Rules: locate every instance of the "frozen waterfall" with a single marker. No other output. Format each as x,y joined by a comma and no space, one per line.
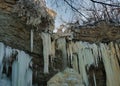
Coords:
46,38
85,54
21,74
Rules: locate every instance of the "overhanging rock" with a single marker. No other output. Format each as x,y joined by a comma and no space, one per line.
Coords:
14,30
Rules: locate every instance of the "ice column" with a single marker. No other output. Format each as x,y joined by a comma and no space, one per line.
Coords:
2,52
31,39
84,56
46,50
61,42
21,73
111,64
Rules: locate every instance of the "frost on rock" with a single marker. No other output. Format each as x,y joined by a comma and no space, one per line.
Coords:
46,38
21,73
68,77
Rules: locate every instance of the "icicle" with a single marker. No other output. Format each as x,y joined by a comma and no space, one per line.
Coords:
75,63
82,68
53,49
2,47
117,51
95,53
15,73
8,54
111,65
46,50
94,79
70,50
61,42
86,58
20,69
52,54
31,39
29,77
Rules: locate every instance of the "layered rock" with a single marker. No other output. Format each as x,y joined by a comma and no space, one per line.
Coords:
14,29
96,64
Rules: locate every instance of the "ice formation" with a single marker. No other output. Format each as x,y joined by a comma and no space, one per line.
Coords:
94,79
111,64
81,55
61,45
46,38
21,73
2,52
31,39
84,55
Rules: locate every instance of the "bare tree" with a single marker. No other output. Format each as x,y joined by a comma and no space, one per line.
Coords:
93,10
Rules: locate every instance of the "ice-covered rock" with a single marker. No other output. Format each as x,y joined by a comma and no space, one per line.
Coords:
69,77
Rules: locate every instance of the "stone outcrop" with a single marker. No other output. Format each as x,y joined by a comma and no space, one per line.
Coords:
100,32
69,77
16,33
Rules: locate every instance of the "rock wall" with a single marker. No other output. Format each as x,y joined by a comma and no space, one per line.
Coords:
101,32
14,31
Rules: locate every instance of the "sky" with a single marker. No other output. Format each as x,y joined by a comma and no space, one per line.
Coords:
64,12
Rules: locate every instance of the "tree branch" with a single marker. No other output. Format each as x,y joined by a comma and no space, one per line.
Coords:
105,3
75,9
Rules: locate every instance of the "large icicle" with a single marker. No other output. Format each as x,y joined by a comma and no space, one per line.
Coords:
31,39
111,64
61,42
52,54
8,54
75,63
87,56
82,64
94,79
2,52
46,50
21,73
117,47
70,51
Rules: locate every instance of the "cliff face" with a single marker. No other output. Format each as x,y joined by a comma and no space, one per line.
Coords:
14,31
96,61
100,32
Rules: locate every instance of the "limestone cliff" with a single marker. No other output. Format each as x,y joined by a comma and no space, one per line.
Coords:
95,62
